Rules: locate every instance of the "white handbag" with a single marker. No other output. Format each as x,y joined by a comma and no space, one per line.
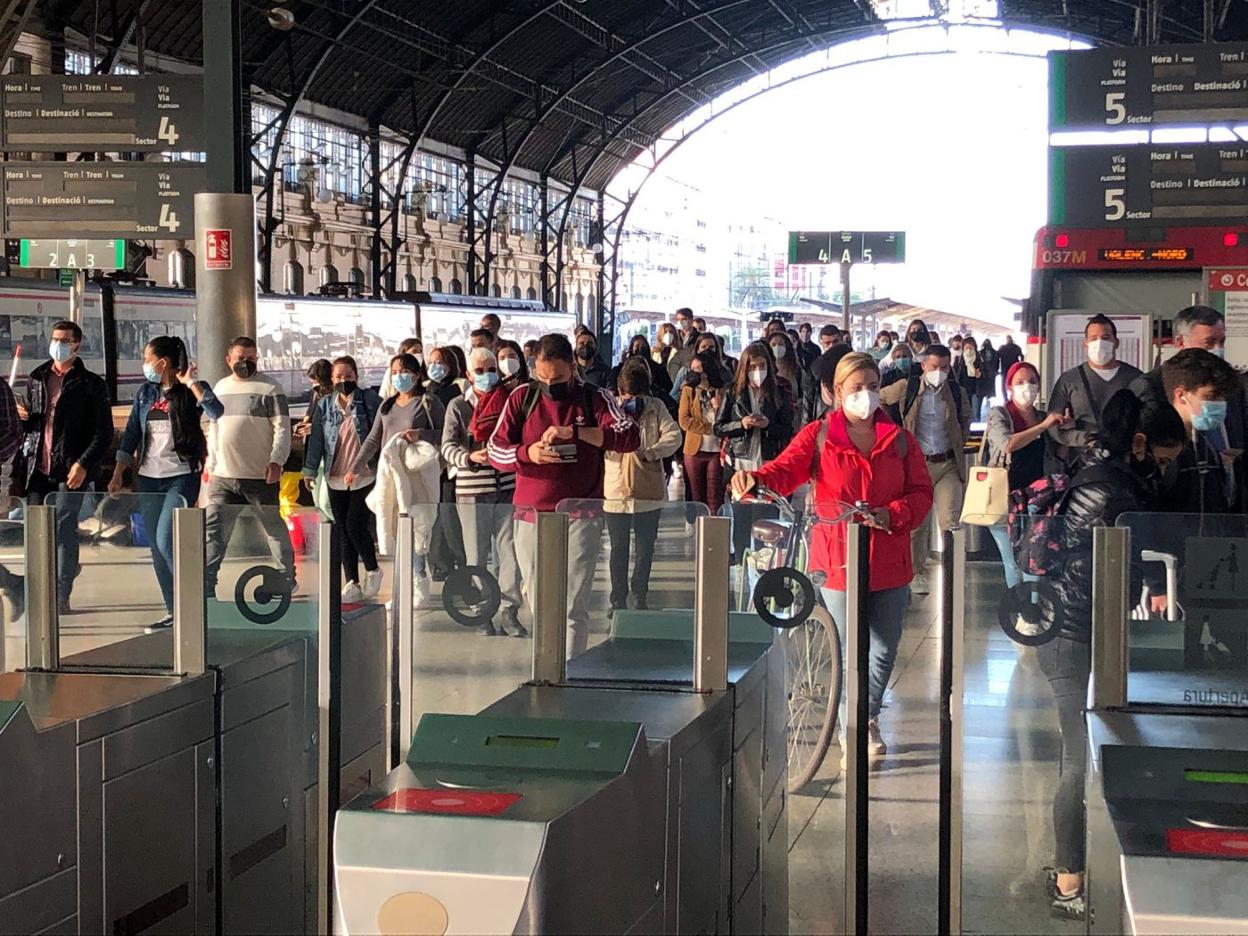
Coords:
987,501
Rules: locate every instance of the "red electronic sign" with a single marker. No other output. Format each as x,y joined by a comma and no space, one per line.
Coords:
449,802
218,251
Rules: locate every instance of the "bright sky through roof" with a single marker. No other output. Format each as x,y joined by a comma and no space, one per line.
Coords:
950,148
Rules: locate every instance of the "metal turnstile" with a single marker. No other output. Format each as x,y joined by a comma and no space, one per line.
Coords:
615,797
138,800
1167,782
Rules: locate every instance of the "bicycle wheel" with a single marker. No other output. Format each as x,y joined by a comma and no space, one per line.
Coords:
813,679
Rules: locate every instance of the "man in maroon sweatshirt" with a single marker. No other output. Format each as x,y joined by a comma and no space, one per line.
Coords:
552,433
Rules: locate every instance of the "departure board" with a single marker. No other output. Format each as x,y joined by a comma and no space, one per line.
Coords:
1116,88
102,113
1096,186
825,247
100,200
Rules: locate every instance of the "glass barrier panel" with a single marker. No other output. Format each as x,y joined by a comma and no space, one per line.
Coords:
470,621
1024,687
1187,634
630,587
114,577
12,584
261,570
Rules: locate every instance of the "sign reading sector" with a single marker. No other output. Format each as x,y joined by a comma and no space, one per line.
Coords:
100,199
1113,88
1204,183
834,247
102,113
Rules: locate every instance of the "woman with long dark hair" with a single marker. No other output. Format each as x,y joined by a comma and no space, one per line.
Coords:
639,346
164,443
513,369
340,424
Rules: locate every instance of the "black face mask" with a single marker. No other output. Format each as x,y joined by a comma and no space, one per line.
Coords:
586,352
345,387
244,368
693,378
556,391
637,352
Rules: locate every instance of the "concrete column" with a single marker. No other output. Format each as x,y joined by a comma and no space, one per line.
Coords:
225,279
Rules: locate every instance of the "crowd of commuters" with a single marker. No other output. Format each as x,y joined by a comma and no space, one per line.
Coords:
500,432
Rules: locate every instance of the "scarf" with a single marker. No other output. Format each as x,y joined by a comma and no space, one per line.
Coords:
485,414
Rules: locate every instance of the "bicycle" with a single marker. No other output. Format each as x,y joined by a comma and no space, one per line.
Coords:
785,597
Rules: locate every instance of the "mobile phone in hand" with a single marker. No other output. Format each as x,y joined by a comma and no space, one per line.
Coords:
566,451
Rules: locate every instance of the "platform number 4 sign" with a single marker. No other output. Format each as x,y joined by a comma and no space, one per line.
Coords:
217,249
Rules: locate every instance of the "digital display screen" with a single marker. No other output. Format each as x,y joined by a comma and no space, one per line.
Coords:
521,741
1144,254
1215,776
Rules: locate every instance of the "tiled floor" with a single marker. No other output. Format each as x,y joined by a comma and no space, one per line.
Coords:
1011,743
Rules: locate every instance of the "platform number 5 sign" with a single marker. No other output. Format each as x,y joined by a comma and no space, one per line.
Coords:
217,252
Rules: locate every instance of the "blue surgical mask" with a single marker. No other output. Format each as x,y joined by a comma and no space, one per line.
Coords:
437,371
485,382
61,351
403,381
1220,351
151,373
1210,415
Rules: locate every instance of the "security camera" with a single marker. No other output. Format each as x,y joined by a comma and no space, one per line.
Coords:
281,18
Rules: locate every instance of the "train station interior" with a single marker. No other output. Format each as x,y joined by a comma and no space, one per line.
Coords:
426,510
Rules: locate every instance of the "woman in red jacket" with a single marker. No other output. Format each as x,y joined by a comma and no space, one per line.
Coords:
865,456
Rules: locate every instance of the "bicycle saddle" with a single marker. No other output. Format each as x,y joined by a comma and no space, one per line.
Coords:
771,532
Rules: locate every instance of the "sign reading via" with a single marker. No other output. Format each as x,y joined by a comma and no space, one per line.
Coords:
839,247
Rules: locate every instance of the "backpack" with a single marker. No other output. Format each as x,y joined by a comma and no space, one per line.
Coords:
900,411
533,392
1034,525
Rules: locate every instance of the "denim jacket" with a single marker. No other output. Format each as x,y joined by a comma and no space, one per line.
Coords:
322,441
134,437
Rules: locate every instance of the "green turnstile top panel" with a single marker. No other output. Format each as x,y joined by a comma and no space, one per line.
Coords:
547,745
7,710
743,626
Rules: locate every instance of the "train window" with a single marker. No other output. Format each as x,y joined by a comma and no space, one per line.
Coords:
329,274
435,285
532,293
292,278
92,338
515,292
457,288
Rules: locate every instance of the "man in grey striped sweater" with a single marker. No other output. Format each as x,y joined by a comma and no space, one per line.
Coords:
247,447
483,494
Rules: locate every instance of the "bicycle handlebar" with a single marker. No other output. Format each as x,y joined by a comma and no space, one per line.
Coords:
763,494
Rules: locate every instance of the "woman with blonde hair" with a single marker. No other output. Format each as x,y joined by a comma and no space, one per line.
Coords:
857,453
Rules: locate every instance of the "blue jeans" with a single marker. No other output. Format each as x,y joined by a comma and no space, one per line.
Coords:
886,617
179,491
1013,574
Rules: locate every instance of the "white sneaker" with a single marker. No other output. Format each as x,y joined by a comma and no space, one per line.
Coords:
372,584
920,585
352,594
875,741
422,600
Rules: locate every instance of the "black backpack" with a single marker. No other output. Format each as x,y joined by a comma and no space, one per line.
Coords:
900,412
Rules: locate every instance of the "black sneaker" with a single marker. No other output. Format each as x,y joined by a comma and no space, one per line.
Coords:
1072,907
488,630
511,625
163,624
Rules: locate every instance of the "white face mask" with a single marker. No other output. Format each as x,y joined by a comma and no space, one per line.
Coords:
667,339
1024,394
862,403
969,354
1101,352
779,351
757,376
510,366
420,358
935,378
